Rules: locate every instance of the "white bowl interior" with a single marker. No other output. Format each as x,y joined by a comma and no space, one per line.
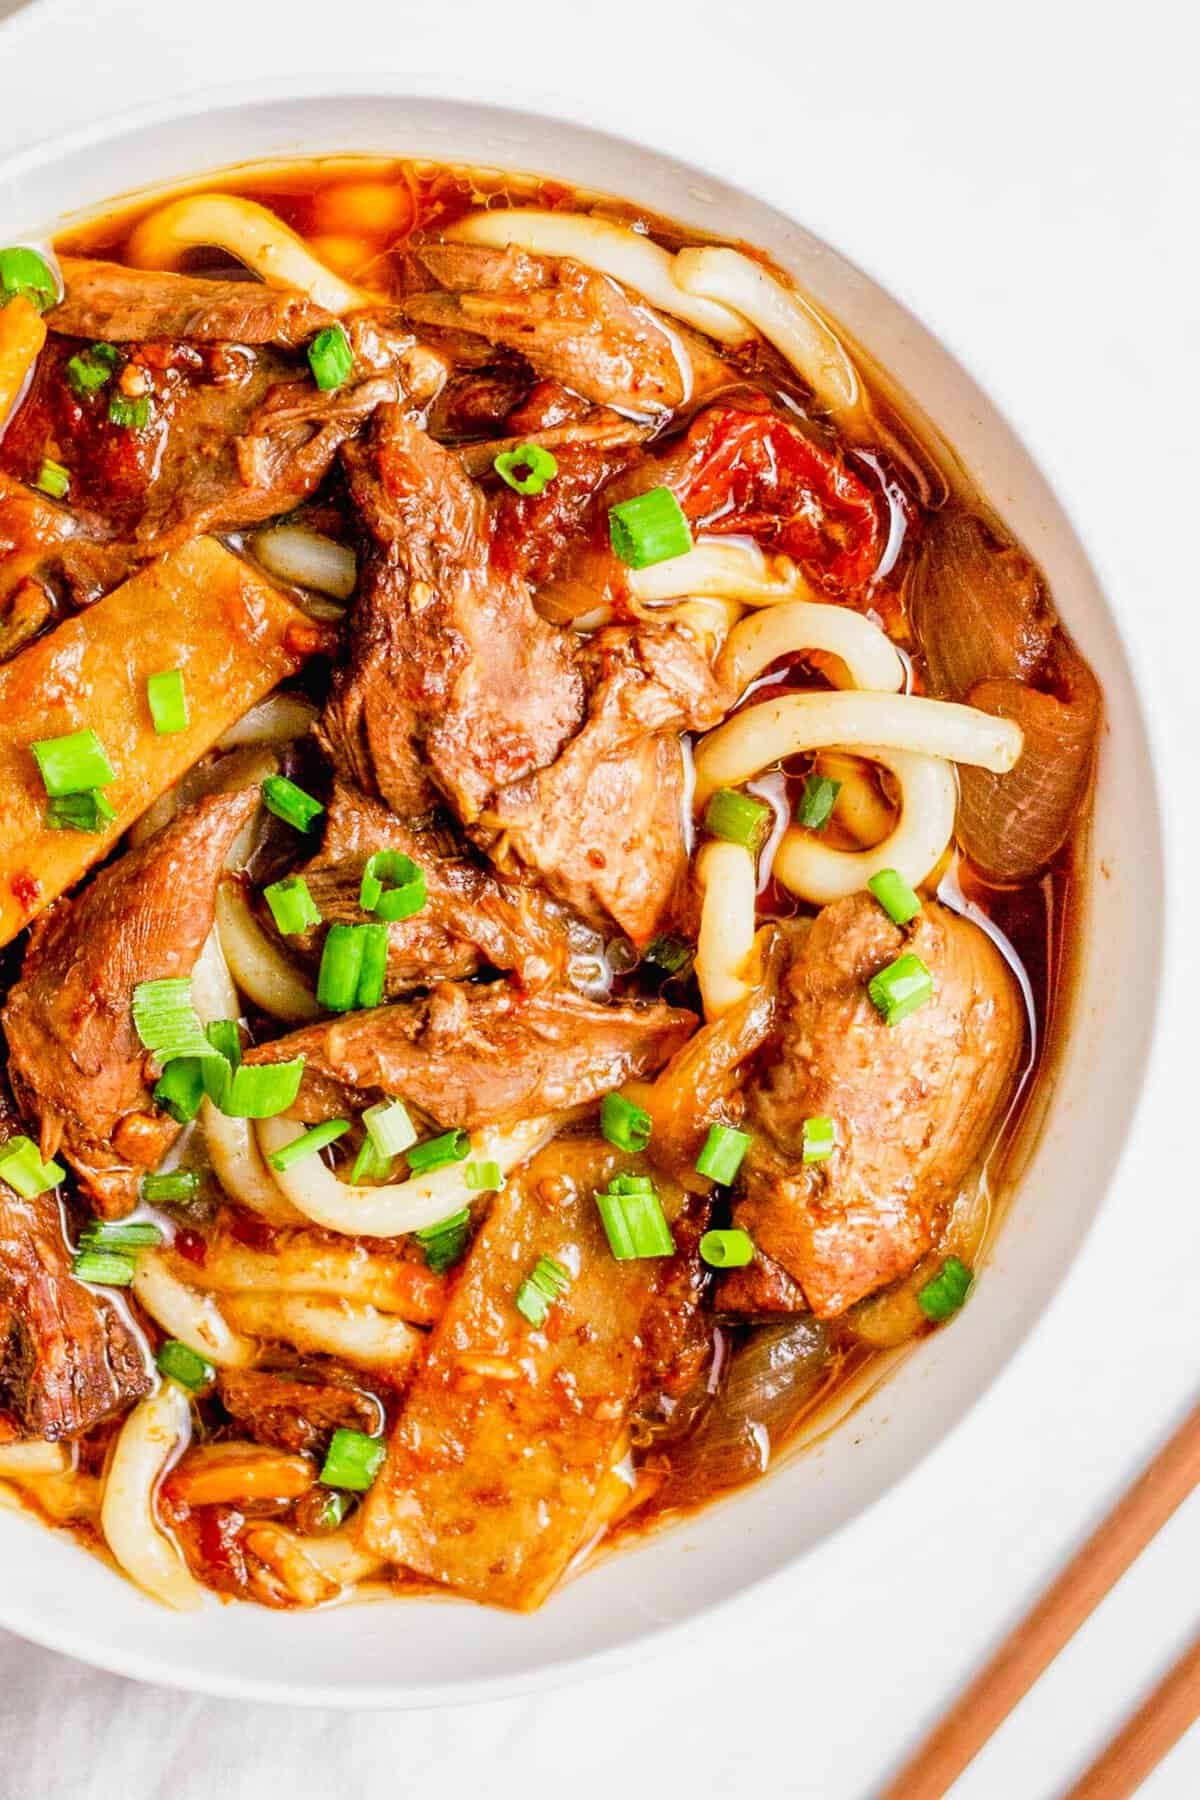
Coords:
418,1652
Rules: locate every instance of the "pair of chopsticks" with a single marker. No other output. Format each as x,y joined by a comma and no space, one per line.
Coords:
1029,1650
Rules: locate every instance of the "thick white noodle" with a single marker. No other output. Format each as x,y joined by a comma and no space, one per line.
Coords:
156,1431
868,653
708,619
729,569
763,735
728,881
275,720
818,873
400,1206
306,1265
307,558
258,966
785,319
20,1461
330,1327
628,256
247,231
183,1312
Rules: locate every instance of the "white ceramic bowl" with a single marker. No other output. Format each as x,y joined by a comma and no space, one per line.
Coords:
426,1652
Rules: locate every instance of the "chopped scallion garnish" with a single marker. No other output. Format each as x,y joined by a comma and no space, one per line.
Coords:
172,1185
634,1222
307,1144
258,1091
122,1238
53,479
819,1139
738,818
90,812
650,528
353,971
24,272
74,764
22,1167
483,1177
130,412
445,1242
353,1461
942,1296
166,1020
180,1088
91,369
816,803
727,1249
290,803
168,702
330,358
895,896
721,1157
528,468
901,988
673,955
182,1364
292,906
369,1165
389,1127
624,1124
439,1152
404,892
546,1282
103,1268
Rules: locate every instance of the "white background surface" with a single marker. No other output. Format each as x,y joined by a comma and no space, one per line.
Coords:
1030,186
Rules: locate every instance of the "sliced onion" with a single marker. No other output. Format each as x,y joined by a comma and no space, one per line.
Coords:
194,1318
19,1462
816,872
799,625
258,966
729,568
276,720
763,735
398,1206
628,256
308,1566
357,1334
244,230
154,1434
308,559
785,319
770,1380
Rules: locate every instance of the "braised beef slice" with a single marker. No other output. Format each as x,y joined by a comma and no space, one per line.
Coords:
469,1056
293,1414
107,301
454,687
915,1104
604,825
68,1358
76,1062
471,917
44,548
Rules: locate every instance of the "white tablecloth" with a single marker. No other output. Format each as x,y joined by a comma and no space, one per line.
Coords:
1027,175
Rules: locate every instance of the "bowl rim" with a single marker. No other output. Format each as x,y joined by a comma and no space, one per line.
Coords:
645,1638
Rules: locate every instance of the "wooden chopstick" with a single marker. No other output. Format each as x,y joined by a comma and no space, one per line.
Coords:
1054,1620
1154,1729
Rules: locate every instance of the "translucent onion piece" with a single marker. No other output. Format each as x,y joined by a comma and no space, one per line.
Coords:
399,1206
194,1318
763,735
247,231
818,873
770,1380
798,625
358,1334
36,1457
155,1432
628,256
728,881
729,568
306,1263
315,1568
785,319
276,720
708,619
307,558
258,966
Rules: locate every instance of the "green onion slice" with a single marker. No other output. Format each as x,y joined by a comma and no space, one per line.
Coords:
445,1242
819,1139
330,358
130,413
895,896
261,1091
186,1366
91,369
721,1157
180,1088
546,1282
739,819
73,764
166,1021
353,971
353,1461
173,1184
404,892
168,702
290,803
624,1124
635,1223
727,1249
103,1268
673,955
815,806
439,1152
483,1177
24,272
53,479
369,1165
90,812
334,1511
527,469
123,1238
292,906
390,1128
942,1296
650,528
22,1167
308,1143
901,988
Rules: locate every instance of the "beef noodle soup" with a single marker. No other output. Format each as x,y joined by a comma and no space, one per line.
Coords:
538,828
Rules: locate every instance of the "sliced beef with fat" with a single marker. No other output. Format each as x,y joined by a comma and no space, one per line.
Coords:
603,825
68,1358
294,1413
471,916
469,1056
76,1062
454,686
914,1105
107,301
